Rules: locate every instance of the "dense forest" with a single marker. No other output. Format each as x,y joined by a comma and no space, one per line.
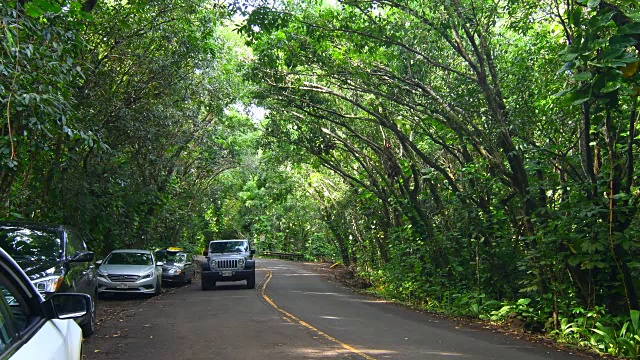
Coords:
469,157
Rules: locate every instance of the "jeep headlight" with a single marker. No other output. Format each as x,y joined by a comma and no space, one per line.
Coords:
241,263
48,284
213,264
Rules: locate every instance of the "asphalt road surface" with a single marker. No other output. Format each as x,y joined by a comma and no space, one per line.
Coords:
294,313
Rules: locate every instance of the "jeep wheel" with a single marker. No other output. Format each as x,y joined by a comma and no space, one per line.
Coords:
208,285
251,281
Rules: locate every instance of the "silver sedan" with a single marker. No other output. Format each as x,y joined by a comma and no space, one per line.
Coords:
130,271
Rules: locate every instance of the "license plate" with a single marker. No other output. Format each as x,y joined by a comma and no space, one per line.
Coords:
227,273
122,286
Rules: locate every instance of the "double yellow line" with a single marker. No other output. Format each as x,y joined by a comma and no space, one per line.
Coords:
292,318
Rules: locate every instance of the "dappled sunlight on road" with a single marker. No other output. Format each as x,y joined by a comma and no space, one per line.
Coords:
376,353
274,268
320,293
336,353
370,301
306,274
444,353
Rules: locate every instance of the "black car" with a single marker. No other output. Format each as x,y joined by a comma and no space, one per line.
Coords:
56,259
178,266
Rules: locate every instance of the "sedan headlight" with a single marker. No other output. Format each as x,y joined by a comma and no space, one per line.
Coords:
48,284
103,273
175,271
148,275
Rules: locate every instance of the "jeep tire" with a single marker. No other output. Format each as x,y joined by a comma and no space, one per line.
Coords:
251,281
208,285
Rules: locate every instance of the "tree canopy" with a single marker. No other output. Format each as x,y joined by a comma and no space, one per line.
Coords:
469,157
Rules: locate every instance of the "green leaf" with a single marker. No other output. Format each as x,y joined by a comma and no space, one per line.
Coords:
567,66
635,317
562,93
576,16
582,76
634,15
573,261
629,29
622,41
524,301
580,101
629,346
612,86
598,21
600,264
612,53
32,10
593,3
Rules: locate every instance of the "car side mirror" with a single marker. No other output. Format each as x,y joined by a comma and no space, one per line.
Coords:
99,262
82,256
253,251
68,305
159,263
205,253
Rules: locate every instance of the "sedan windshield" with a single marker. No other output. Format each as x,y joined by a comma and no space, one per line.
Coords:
229,247
122,258
178,258
34,245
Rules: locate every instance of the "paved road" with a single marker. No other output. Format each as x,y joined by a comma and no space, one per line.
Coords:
294,313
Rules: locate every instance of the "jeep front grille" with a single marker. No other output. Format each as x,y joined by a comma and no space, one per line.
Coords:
227,264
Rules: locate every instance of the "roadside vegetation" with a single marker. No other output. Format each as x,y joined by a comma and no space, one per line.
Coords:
475,158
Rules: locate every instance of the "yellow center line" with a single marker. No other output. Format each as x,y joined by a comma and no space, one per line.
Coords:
291,318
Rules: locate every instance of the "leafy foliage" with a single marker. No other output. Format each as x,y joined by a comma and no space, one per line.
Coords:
473,158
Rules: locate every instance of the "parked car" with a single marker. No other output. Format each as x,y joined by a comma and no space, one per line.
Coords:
178,266
229,260
56,259
32,327
130,271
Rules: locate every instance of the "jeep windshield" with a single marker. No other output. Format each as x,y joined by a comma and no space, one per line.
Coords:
221,247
